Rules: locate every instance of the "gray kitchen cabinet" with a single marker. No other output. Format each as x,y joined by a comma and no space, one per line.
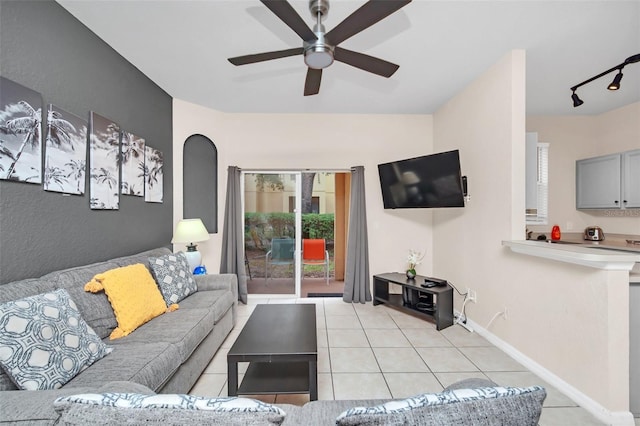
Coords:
631,171
609,182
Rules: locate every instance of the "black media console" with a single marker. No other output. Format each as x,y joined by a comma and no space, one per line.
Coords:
426,297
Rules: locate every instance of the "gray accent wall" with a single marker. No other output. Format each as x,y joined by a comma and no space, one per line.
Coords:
46,49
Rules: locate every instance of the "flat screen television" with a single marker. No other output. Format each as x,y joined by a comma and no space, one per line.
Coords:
423,182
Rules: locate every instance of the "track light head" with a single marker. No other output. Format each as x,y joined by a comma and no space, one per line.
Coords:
576,100
615,84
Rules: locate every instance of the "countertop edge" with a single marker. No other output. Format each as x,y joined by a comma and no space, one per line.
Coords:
600,258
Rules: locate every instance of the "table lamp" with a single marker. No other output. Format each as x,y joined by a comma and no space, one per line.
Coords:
190,231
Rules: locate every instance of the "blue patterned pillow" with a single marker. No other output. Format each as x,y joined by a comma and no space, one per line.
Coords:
446,407
172,274
133,408
44,342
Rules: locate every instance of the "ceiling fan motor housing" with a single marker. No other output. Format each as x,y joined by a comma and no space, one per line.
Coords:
318,54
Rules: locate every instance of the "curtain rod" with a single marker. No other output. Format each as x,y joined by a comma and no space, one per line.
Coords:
249,170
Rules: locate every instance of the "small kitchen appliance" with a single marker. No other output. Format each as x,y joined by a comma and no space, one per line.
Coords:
593,233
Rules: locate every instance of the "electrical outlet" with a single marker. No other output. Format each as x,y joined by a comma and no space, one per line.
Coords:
471,295
506,313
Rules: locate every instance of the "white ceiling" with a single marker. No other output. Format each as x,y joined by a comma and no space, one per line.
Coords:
441,46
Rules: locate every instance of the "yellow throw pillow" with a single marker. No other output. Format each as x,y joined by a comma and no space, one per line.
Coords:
133,294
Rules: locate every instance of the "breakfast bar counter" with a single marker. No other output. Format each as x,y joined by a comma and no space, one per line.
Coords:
591,255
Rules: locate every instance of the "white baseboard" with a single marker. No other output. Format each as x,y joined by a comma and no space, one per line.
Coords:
614,418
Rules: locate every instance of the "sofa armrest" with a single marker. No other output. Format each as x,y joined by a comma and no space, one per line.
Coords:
218,282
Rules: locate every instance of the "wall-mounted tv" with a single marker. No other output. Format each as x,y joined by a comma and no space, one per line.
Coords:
422,182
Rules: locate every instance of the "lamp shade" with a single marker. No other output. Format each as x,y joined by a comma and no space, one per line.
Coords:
190,231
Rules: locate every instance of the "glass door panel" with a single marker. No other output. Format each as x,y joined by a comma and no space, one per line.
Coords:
271,241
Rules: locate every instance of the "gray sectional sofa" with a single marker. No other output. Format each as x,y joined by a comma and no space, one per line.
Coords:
165,355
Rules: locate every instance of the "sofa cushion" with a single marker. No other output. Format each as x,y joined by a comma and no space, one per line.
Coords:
184,328
149,364
481,406
172,274
133,294
129,408
44,342
94,308
24,288
218,301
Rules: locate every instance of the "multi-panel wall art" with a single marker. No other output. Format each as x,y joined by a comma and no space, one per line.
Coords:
112,153
65,164
20,133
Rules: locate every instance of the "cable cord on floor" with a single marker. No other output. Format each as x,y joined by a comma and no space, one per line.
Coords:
462,318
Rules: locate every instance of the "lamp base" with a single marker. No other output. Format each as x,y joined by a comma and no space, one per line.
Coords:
194,258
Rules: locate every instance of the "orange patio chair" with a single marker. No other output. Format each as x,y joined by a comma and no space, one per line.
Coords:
314,252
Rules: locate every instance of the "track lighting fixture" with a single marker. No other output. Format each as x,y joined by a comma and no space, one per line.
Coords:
614,85
576,100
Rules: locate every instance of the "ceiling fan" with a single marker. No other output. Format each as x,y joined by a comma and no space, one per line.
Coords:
321,48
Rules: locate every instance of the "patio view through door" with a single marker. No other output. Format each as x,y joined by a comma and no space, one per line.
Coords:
270,232
283,209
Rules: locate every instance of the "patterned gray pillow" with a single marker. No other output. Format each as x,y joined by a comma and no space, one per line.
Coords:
485,406
174,409
44,342
172,274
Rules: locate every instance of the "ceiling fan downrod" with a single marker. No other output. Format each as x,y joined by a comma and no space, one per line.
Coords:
318,54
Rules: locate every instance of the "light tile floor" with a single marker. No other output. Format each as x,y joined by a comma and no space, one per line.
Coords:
367,351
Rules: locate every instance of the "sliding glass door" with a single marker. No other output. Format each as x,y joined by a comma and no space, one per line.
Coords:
271,232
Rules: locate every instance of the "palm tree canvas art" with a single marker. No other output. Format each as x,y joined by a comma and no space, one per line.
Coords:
65,162
104,155
132,158
20,133
153,175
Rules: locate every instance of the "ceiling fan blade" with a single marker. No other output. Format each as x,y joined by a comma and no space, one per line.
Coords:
312,82
370,13
267,56
365,62
283,10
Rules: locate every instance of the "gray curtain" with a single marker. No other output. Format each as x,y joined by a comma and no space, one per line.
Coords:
232,261
356,280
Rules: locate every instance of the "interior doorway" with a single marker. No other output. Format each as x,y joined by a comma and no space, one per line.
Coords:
281,211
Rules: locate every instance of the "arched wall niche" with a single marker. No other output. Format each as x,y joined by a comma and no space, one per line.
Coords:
200,181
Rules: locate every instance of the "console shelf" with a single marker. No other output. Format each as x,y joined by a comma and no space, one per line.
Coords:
434,303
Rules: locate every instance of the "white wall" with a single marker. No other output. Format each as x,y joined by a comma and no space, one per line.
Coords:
573,138
566,318
298,141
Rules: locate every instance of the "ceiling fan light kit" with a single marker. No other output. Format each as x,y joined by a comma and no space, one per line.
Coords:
614,85
318,54
319,48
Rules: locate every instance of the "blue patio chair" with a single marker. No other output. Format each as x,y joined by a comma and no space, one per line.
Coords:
281,253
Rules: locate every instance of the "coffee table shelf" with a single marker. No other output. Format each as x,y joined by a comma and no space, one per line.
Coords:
275,378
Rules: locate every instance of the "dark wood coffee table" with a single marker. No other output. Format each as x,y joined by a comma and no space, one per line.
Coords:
280,343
